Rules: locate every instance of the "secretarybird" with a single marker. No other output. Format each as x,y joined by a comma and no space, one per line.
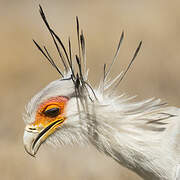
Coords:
142,136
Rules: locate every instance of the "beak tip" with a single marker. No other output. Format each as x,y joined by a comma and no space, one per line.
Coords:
27,141
29,152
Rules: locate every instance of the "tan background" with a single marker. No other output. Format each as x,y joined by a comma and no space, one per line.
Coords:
23,72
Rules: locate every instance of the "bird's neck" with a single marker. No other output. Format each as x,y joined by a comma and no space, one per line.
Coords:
114,133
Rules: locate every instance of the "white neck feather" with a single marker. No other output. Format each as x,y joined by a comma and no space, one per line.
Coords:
132,134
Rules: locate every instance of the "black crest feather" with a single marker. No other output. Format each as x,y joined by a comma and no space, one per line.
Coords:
66,56
78,75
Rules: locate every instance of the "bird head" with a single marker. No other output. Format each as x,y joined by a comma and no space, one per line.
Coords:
52,114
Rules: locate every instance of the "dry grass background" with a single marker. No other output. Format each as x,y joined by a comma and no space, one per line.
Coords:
23,72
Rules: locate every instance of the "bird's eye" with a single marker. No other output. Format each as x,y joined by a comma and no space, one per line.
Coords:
52,112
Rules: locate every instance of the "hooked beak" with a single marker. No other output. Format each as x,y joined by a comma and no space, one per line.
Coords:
35,136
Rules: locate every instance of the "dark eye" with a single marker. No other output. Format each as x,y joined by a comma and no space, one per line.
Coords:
53,112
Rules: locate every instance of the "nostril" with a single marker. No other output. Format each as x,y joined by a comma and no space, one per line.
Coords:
31,129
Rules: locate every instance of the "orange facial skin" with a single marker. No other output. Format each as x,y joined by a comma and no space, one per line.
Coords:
41,120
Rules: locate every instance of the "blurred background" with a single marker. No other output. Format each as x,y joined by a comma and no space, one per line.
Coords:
23,72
